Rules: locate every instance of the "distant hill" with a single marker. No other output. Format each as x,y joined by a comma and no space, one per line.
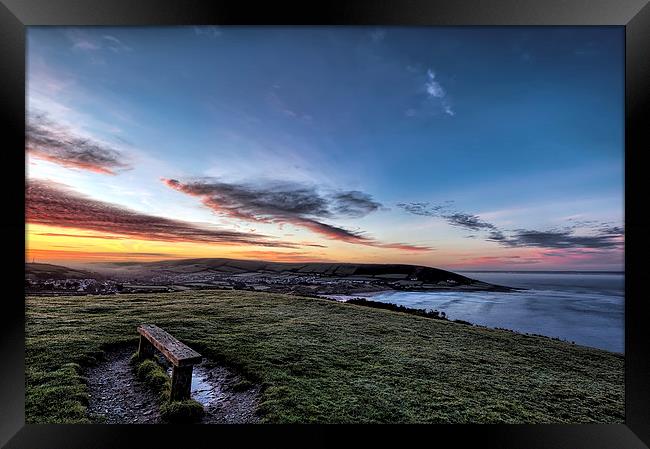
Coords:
382,271
367,276
36,271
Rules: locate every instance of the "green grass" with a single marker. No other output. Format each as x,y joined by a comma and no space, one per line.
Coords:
153,375
149,372
182,412
323,361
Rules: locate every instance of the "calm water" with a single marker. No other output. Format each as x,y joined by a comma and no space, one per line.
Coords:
585,308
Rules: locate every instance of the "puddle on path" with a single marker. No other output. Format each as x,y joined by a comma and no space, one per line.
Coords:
117,397
216,388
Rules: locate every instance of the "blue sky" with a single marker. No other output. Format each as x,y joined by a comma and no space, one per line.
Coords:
518,128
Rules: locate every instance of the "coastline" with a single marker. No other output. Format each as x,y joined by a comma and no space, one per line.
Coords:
586,312
364,299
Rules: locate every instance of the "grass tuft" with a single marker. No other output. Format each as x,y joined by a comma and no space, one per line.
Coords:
152,374
182,412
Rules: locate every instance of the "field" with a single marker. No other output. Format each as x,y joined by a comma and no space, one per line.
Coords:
323,361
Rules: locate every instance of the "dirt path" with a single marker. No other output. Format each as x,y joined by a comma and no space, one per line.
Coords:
117,397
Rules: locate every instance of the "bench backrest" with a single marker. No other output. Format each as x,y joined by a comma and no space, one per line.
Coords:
179,354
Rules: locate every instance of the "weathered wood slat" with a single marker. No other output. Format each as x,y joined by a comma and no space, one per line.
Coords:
179,354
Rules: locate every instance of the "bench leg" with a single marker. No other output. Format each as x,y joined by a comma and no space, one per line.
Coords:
145,349
181,383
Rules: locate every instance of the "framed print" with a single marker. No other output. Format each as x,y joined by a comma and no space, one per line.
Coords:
236,221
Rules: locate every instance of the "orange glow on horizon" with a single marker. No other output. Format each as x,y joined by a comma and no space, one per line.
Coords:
59,245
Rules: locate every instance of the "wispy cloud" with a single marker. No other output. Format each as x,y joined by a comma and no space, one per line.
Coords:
53,142
468,221
433,87
83,44
83,41
448,110
562,240
601,236
314,245
115,45
54,204
422,208
288,203
280,104
454,218
435,90
353,203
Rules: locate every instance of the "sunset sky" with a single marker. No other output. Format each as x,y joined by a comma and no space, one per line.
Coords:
459,148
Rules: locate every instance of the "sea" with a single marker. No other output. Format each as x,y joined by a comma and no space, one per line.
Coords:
586,308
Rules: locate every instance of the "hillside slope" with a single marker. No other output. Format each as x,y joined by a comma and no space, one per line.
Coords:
343,271
324,361
49,271
398,271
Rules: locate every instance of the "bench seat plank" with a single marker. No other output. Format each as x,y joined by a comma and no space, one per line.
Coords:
179,354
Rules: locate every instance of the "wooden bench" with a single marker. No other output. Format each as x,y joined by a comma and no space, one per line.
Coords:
181,356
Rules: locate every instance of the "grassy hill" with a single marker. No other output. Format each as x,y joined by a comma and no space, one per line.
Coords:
49,271
323,361
234,266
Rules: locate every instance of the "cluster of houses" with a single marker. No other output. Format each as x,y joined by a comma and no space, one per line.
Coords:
308,284
72,286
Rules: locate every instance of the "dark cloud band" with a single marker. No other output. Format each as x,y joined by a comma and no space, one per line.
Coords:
55,205
460,219
603,237
52,142
291,203
562,240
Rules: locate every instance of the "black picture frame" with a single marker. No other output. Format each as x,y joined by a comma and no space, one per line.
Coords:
634,15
